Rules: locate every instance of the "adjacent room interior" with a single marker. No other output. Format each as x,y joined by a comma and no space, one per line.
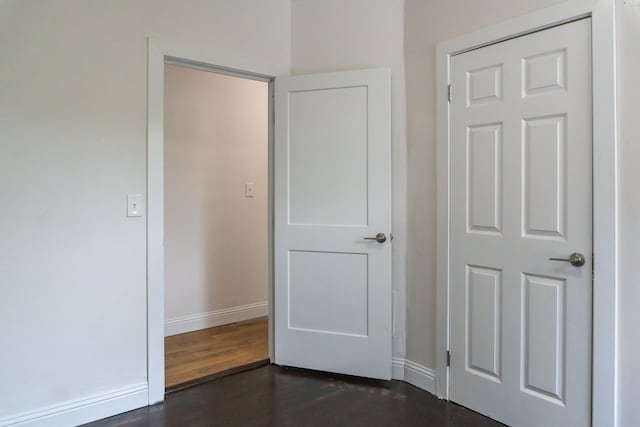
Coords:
216,140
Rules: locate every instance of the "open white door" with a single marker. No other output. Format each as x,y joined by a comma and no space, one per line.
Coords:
332,192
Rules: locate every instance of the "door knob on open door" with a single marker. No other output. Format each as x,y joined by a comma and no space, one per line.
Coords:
576,259
380,238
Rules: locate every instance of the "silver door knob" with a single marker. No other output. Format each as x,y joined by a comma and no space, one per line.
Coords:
380,238
576,259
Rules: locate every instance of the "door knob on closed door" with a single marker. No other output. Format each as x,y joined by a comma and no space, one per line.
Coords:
380,238
576,259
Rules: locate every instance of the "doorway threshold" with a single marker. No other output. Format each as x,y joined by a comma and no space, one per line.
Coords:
217,375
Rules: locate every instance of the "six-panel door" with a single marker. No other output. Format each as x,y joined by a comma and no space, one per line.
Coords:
521,193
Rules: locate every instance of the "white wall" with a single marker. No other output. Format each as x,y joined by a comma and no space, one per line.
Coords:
629,207
216,246
73,143
335,35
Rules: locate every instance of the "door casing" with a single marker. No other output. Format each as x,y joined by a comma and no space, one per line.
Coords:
602,13
155,207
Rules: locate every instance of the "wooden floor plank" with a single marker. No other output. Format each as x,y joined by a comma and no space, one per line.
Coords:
207,352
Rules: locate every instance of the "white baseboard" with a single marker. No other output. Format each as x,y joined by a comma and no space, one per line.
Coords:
397,368
195,322
83,410
413,373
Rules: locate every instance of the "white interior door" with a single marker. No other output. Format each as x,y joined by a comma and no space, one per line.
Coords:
332,191
521,193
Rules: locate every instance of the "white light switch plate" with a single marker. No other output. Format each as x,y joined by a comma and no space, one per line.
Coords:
135,205
249,190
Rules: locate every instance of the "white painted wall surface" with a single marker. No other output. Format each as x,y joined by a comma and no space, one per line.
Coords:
215,141
628,21
336,35
426,24
73,143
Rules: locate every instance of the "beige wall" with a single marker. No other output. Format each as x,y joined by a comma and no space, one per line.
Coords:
73,105
215,140
335,35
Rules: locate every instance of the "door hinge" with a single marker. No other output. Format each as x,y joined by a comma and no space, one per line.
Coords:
449,93
448,357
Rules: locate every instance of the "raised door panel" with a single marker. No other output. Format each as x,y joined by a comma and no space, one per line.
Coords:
328,292
328,146
543,337
544,177
484,85
484,296
544,73
484,178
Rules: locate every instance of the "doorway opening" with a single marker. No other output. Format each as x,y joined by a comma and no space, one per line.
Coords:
216,223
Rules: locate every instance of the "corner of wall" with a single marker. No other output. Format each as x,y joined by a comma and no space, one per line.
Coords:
414,373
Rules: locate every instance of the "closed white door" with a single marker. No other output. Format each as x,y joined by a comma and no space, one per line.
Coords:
521,193
332,197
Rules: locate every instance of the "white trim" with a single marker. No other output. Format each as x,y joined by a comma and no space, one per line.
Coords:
155,201
420,376
605,216
155,223
397,368
602,13
203,66
84,410
195,322
271,222
414,373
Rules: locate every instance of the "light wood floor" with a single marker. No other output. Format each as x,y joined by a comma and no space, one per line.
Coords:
205,353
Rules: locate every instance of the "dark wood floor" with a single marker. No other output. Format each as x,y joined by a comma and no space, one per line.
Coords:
209,352
274,396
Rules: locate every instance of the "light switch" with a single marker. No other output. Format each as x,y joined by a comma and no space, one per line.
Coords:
248,189
135,205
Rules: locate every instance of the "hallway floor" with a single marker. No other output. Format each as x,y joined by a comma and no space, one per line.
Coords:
207,353
274,396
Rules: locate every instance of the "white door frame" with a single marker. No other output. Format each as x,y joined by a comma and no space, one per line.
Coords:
605,207
155,206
